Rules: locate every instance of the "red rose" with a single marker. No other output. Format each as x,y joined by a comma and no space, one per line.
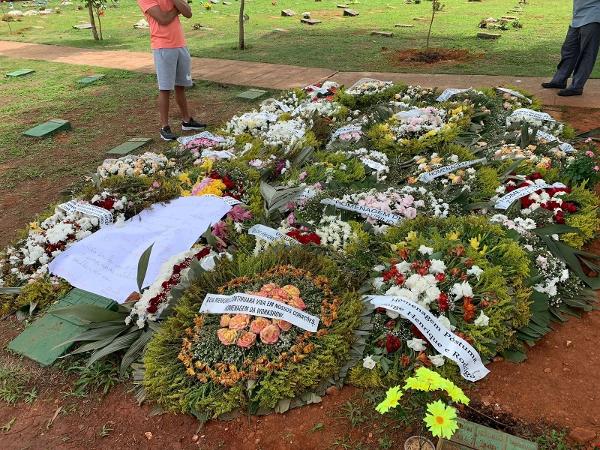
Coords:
440,277
392,343
390,324
443,302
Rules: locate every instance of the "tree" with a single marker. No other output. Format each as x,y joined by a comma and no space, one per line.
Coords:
242,20
96,10
435,6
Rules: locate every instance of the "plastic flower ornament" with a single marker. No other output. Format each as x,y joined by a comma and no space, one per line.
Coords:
425,380
456,394
441,419
392,398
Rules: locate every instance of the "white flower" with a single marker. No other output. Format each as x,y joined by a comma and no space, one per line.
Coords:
379,268
482,320
437,266
403,267
418,345
378,283
445,322
475,270
437,360
369,363
404,293
564,275
419,283
462,290
423,250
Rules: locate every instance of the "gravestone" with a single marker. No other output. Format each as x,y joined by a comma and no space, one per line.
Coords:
472,436
488,36
252,94
129,147
43,340
90,79
350,12
48,128
382,33
83,26
287,13
20,73
404,25
310,21
226,3
341,6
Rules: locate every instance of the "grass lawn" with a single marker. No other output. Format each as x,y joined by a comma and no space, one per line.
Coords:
33,172
341,43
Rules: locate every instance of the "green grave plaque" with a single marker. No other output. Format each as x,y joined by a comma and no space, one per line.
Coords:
472,436
130,146
48,128
90,79
252,94
41,341
20,73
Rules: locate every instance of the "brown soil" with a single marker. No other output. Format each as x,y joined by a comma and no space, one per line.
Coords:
418,56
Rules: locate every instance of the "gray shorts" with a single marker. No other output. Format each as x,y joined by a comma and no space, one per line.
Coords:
173,67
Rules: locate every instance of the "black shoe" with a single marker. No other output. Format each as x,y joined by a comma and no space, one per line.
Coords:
553,85
192,125
570,92
166,134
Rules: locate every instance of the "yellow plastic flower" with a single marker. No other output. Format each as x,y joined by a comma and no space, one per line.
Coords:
453,236
207,165
432,380
185,193
441,419
185,178
474,243
411,236
456,394
392,398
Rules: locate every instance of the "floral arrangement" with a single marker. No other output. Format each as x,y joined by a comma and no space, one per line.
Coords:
136,165
369,86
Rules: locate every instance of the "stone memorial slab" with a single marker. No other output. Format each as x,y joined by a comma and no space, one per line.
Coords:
350,12
382,33
472,436
129,147
90,79
404,25
287,13
489,36
342,6
48,128
310,21
41,341
20,73
251,94
83,26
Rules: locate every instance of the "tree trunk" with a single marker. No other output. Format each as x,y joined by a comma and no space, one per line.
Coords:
242,40
433,5
99,24
92,20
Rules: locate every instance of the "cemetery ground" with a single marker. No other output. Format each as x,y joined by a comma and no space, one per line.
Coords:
93,408
338,42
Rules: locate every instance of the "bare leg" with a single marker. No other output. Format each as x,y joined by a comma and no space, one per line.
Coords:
163,107
182,103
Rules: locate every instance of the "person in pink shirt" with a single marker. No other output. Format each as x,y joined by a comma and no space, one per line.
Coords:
171,59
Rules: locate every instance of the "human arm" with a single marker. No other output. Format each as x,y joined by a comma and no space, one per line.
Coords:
183,7
162,17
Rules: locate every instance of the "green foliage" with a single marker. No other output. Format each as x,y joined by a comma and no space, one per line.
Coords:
14,384
35,296
99,377
586,219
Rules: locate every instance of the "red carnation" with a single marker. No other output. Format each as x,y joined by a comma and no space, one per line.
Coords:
392,343
443,302
440,277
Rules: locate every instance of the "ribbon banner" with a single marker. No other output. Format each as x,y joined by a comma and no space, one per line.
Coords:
449,93
513,93
530,114
427,177
443,340
254,305
104,216
308,193
345,130
184,140
389,218
228,200
565,147
271,235
507,200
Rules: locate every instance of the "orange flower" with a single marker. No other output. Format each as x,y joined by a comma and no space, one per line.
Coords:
239,321
258,324
293,291
424,359
297,302
269,334
246,340
227,336
225,318
285,326
468,309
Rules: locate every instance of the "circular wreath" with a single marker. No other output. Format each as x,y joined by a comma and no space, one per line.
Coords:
467,272
211,364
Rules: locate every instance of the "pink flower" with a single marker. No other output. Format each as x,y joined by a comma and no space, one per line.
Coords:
225,318
239,321
246,340
259,324
410,213
270,334
226,336
302,176
238,214
297,302
408,200
219,230
596,168
589,153
291,219
285,326
156,185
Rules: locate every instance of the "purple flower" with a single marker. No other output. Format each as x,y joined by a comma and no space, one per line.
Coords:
238,214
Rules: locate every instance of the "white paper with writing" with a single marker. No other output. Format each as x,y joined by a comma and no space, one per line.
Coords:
254,305
508,199
443,340
390,219
513,93
104,216
530,114
105,262
427,177
449,93
270,234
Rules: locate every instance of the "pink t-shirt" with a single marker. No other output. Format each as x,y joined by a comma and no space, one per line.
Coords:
163,36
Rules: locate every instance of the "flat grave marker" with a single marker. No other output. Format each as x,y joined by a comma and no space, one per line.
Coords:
472,436
20,73
310,21
83,26
90,79
251,94
129,147
48,128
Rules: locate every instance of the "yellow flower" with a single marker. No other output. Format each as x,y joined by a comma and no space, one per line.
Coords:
185,193
34,226
441,419
184,178
392,398
428,380
483,250
453,236
207,165
411,236
456,394
474,243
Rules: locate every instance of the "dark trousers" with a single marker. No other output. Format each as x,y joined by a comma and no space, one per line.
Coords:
578,55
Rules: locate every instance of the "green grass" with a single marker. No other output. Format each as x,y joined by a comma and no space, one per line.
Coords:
15,384
338,43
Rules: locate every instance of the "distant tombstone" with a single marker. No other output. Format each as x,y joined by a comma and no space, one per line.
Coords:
342,6
214,2
488,36
20,73
310,21
226,3
350,12
280,30
129,147
252,94
287,13
306,15
48,128
382,33
404,25
90,79
83,26
472,436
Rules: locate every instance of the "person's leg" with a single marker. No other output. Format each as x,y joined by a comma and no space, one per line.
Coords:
163,107
165,61
182,103
589,44
569,54
183,80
